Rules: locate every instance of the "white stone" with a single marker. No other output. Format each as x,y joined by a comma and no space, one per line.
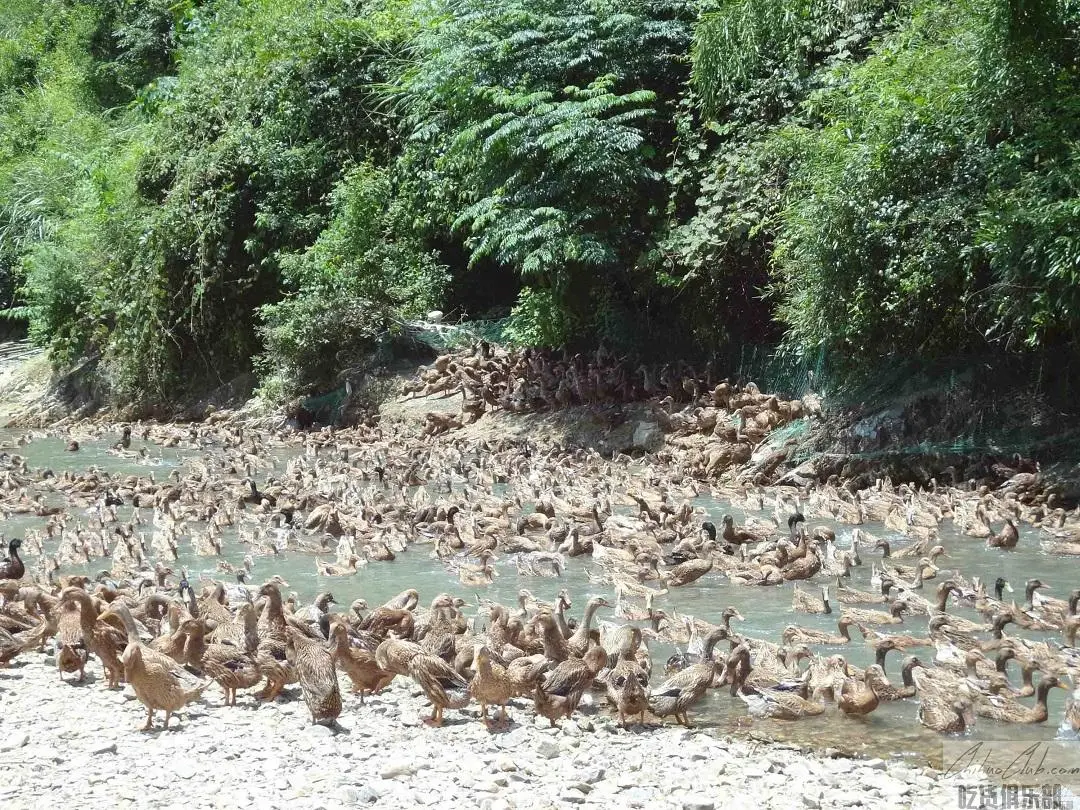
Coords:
548,749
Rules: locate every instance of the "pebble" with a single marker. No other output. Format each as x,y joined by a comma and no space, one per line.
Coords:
16,740
397,769
271,755
593,775
548,749
365,795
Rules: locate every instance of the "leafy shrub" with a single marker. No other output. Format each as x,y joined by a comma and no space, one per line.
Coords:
537,130
356,282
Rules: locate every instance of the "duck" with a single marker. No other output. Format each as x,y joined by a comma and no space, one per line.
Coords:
351,567
944,700
317,675
1072,712
1007,538
12,567
10,647
360,665
441,684
160,683
847,595
491,684
72,652
946,716
805,603
679,692
857,699
628,690
560,690
783,705
1006,710
894,616
579,642
887,692
899,641
94,634
231,667
794,634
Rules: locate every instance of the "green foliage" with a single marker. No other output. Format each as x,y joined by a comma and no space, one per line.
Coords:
359,279
908,227
191,189
537,131
741,43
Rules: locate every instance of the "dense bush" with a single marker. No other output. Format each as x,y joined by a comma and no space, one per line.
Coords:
194,189
933,205
355,284
538,129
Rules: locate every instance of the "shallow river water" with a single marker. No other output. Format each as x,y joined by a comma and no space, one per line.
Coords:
891,731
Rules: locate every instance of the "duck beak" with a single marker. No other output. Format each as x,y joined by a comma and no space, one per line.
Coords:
1008,587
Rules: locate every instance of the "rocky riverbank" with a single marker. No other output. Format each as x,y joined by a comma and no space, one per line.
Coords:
79,745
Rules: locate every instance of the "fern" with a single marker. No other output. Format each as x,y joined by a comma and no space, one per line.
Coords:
549,122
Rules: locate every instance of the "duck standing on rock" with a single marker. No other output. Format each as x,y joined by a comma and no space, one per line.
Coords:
318,677
442,685
160,683
682,690
491,685
628,690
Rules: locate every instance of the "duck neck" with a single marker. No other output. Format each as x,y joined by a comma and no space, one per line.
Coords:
87,611
1074,603
1026,674
943,597
587,618
251,631
560,617
1041,695
999,591
905,673
554,643
710,645
879,656
1029,594
339,643
275,612
193,605
195,644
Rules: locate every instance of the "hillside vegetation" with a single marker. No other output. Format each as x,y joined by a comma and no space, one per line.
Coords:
194,189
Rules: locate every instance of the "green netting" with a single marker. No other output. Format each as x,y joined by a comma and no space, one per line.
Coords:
444,337
326,408
783,375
